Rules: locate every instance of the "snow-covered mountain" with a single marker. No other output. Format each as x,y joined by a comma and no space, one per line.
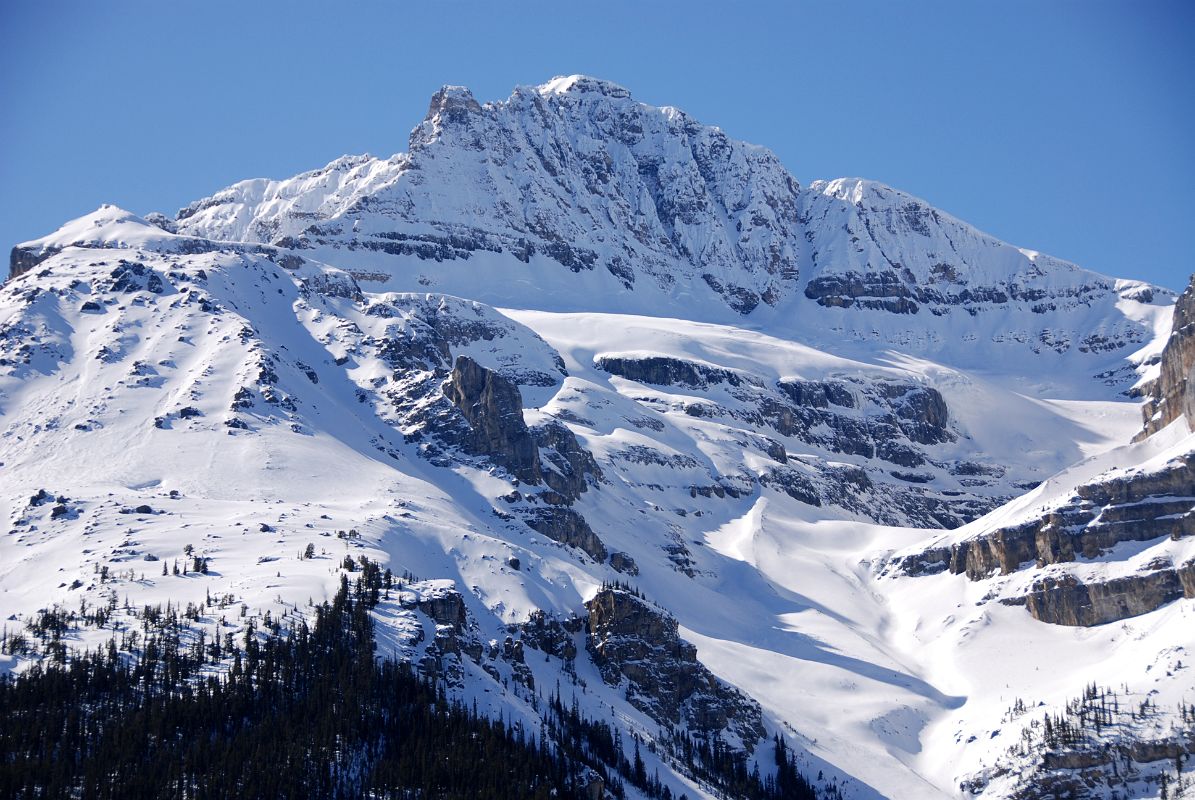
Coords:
572,196
570,342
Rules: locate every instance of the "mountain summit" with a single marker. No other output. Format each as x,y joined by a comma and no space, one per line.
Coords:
646,209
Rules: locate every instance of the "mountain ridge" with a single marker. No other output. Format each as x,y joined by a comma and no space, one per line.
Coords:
798,261
718,209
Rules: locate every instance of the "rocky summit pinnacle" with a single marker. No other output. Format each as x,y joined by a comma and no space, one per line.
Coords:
452,103
582,84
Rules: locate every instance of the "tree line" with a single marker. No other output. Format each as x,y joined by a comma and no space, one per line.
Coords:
308,711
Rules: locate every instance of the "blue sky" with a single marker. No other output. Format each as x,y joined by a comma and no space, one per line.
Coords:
1065,126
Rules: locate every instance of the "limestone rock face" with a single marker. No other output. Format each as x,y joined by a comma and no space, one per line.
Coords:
565,465
896,423
633,641
874,290
21,260
445,608
551,635
1066,601
566,526
622,562
874,419
1135,507
1173,394
493,408
1100,515
863,416
667,371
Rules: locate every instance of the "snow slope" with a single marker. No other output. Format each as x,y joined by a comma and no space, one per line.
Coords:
783,391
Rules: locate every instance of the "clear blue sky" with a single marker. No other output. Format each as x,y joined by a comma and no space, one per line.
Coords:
1066,126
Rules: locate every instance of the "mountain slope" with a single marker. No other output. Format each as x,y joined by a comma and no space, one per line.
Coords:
1108,540
439,361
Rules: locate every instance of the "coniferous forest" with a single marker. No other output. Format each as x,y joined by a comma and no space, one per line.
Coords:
310,712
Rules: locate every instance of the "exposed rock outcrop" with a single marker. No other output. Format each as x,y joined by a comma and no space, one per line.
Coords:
1173,393
330,283
896,292
493,408
1067,601
566,466
904,409
1131,508
22,260
633,641
667,371
622,562
552,635
566,526
455,636
868,418
872,417
445,607
883,291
